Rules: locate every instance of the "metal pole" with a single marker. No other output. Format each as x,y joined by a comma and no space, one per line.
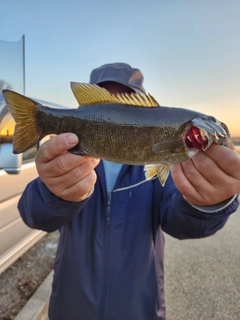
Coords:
23,53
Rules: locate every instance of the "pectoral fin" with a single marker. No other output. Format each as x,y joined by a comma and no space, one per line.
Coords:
161,170
170,147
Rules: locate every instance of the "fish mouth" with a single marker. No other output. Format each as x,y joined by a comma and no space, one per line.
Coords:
196,139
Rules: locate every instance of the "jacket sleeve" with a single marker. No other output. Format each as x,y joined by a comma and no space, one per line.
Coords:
183,221
41,209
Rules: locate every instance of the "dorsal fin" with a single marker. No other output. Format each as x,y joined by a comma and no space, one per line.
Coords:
86,93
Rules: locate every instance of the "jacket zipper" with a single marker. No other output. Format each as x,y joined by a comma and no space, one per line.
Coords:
106,254
108,208
106,262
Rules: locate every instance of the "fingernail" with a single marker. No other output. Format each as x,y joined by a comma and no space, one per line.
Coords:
72,138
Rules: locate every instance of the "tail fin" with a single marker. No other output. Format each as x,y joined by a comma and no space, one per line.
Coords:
24,111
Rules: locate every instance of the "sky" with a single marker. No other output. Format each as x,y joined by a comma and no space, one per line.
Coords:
188,51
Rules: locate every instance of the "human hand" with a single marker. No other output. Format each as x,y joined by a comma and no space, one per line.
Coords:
210,177
68,176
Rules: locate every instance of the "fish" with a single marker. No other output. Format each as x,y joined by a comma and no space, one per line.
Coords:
131,129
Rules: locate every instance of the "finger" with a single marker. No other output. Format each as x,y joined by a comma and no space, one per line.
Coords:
69,179
55,146
80,190
202,170
224,182
206,178
228,160
61,164
200,186
184,185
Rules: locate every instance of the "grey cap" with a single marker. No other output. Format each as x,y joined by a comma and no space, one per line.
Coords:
118,72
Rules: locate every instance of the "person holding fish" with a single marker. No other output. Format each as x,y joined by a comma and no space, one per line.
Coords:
112,213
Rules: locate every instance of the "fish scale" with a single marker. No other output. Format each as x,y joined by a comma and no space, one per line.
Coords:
131,129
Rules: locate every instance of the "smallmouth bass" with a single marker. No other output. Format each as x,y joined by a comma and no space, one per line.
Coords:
131,129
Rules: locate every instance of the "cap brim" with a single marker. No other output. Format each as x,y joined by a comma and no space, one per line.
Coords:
138,90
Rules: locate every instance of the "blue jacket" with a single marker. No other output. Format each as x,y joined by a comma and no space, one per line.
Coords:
109,263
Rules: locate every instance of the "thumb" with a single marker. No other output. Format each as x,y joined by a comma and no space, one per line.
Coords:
56,146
